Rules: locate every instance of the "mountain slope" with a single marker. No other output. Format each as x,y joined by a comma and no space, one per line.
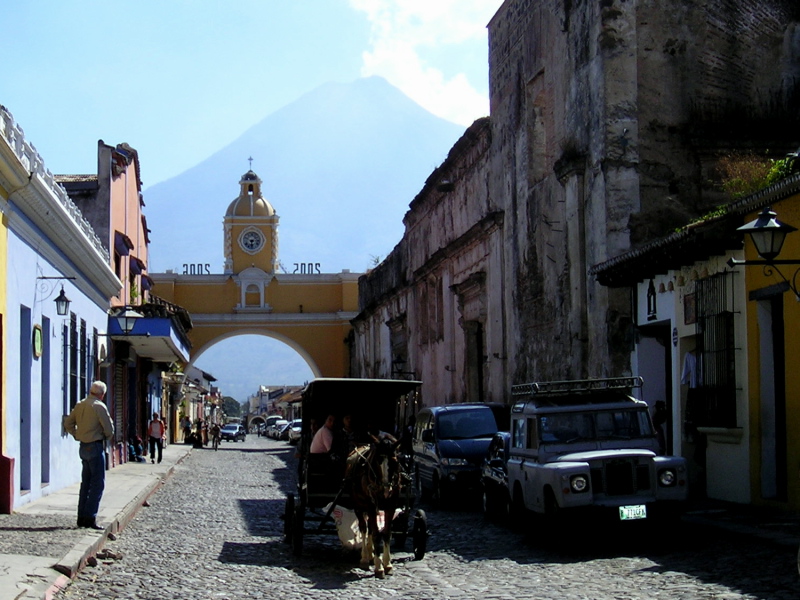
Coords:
340,166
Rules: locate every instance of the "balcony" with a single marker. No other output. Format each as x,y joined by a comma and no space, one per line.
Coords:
160,335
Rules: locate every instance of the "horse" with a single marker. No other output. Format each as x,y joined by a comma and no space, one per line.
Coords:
375,477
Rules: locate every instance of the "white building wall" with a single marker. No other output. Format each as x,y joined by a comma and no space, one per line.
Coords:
726,475
25,290
47,236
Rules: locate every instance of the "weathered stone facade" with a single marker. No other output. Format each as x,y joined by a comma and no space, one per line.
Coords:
607,119
432,310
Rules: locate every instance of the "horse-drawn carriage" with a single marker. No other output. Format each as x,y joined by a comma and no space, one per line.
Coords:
373,481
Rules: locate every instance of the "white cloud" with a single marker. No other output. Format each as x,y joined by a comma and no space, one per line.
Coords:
402,30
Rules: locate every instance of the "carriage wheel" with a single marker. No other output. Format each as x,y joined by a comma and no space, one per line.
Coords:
298,529
419,534
288,515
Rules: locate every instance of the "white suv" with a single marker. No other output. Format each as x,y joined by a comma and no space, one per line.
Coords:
588,444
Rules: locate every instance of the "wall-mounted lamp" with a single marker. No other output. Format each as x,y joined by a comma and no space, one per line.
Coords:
62,302
768,235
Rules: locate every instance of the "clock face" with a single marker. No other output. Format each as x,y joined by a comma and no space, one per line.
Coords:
251,241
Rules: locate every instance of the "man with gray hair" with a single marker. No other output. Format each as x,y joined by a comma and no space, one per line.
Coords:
90,424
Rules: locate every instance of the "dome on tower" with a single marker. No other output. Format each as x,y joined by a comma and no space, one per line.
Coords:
250,202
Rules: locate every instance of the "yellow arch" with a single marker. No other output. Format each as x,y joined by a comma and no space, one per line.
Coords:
198,352
311,313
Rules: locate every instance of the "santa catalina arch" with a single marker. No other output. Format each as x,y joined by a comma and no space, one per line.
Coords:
310,312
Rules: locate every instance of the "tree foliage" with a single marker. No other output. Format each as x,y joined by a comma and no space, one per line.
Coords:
231,407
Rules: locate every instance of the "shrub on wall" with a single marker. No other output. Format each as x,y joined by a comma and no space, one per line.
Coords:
745,174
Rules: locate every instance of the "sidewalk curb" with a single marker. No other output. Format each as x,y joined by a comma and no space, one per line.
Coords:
59,585
780,538
76,559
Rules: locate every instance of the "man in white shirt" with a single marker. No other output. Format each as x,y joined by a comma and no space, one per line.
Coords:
90,424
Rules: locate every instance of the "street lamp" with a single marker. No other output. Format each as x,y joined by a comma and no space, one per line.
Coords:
768,235
62,303
127,319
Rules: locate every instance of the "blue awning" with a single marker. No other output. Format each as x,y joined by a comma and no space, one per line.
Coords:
137,266
122,244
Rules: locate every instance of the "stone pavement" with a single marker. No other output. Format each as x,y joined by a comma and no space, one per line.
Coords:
41,548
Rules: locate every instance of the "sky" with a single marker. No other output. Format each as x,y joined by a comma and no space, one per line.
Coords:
180,79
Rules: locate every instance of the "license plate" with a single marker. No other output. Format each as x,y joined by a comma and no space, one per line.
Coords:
628,513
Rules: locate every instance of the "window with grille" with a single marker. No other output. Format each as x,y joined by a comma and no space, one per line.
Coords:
84,352
65,370
715,329
73,360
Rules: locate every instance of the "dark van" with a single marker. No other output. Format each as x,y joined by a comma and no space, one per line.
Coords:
450,443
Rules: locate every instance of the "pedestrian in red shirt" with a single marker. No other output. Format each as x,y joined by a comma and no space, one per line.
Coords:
156,433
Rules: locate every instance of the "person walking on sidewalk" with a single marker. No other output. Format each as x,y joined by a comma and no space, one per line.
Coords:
186,424
90,424
156,432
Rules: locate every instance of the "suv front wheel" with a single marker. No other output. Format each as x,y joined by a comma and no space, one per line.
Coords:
422,492
519,513
439,494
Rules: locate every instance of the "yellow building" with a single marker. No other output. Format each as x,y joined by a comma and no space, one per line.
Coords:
704,292
310,312
773,348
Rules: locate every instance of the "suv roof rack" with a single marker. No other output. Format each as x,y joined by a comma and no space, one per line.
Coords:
575,386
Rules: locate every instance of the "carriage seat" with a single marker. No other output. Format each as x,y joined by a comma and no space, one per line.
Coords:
324,474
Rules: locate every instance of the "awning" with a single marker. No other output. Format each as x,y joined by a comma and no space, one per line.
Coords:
122,244
137,266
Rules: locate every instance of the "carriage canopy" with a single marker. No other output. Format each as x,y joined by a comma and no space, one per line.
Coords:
383,403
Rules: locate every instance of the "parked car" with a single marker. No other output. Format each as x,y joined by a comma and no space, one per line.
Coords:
274,430
233,432
283,434
588,448
295,430
450,443
271,420
494,479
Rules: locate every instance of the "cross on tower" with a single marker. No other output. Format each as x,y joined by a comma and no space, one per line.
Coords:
251,162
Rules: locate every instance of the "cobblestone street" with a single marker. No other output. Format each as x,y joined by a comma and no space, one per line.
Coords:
214,531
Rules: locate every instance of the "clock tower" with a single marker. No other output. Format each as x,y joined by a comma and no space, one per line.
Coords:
251,230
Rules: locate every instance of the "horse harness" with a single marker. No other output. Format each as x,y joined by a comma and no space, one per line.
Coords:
380,483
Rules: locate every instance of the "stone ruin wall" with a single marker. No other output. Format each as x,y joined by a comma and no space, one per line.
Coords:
607,118
452,233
